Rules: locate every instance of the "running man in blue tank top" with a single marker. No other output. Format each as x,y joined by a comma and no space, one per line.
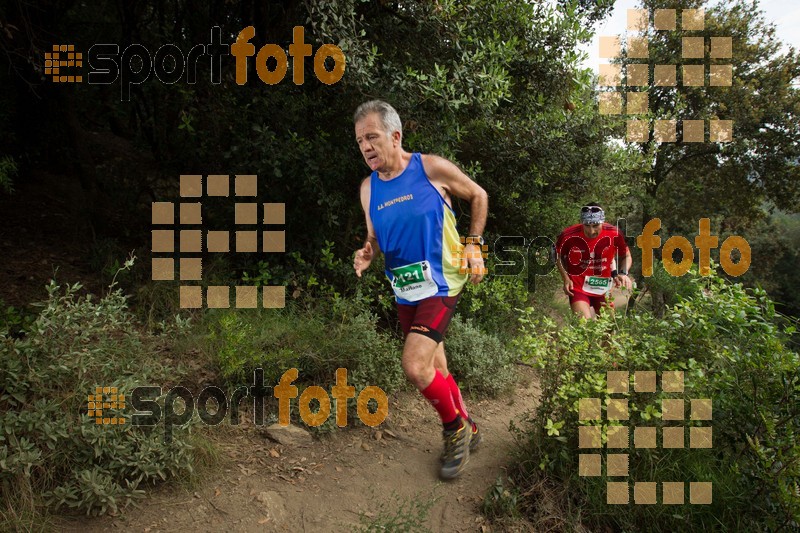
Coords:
408,208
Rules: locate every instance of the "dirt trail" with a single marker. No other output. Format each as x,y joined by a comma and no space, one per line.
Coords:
329,484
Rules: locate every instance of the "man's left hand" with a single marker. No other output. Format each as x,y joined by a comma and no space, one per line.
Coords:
623,280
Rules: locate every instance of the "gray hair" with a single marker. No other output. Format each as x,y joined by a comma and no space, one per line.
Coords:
387,114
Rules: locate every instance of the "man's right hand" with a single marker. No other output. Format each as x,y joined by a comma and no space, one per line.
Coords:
363,259
568,287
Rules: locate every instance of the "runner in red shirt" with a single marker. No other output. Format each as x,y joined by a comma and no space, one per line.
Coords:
584,255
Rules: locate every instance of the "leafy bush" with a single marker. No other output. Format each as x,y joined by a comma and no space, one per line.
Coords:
15,321
480,361
8,170
730,349
316,341
494,303
51,453
666,289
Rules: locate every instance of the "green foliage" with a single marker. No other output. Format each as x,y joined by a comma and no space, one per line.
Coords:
8,170
664,289
315,341
14,322
730,349
775,245
494,303
501,500
51,453
689,181
480,361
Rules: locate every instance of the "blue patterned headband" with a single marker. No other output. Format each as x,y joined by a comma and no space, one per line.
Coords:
592,215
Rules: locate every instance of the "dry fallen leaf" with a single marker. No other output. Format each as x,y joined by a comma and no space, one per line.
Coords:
274,453
263,521
217,492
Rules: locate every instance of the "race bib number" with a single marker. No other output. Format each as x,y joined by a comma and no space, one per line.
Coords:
597,285
414,282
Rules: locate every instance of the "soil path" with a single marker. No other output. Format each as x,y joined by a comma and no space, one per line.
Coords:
337,483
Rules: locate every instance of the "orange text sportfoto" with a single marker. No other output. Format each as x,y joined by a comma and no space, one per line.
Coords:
149,411
704,241
299,50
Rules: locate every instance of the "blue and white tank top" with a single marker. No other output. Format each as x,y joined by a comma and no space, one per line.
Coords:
416,230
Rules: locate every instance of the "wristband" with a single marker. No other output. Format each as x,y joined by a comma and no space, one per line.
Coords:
476,239
613,274
623,273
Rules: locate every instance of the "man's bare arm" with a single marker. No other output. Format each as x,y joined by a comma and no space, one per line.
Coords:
449,177
449,180
365,194
363,257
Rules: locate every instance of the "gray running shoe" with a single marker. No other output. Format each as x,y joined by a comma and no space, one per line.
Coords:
476,437
474,441
456,450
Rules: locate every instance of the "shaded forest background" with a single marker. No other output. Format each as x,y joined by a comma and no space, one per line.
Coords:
494,85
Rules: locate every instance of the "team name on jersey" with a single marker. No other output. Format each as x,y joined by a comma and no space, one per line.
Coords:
397,200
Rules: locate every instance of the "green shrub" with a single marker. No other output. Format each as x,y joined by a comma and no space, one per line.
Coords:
316,341
480,361
51,453
8,171
15,321
494,303
730,349
666,289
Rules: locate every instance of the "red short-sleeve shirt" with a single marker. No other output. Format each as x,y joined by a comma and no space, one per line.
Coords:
584,257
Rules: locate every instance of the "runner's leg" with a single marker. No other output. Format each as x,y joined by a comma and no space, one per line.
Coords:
602,302
423,341
417,362
440,361
580,305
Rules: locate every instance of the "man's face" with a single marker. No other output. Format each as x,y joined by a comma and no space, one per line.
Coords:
375,145
591,230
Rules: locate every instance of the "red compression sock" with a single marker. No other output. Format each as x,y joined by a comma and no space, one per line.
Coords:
455,392
438,393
